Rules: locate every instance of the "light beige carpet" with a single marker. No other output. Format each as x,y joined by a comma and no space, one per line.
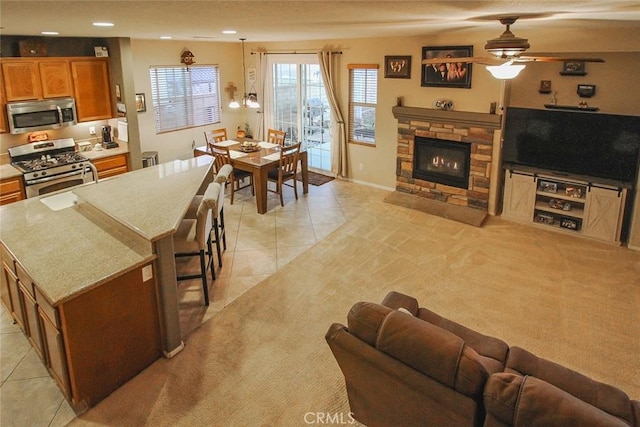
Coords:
263,360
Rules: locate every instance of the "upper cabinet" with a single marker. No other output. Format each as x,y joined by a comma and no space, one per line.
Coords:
3,101
84,78
91,85
55,77
22,80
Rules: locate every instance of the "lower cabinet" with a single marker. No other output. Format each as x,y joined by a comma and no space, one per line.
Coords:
11,190
111,166
589,209
93,343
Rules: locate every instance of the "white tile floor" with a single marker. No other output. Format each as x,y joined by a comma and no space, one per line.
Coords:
257,246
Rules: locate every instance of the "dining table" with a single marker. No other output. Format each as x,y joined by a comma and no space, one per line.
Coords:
258,161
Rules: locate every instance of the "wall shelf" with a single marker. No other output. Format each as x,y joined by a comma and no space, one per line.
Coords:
570,107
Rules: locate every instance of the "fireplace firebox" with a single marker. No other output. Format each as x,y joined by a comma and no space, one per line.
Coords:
441,161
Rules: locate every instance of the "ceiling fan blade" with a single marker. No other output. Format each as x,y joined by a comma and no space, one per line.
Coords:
464,60
554,58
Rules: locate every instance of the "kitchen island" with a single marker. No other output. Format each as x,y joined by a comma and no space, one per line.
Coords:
91,278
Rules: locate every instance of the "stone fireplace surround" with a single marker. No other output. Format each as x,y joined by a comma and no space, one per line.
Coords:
476,129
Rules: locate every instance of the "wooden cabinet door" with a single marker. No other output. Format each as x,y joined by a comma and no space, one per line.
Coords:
519,196
91,87
4,126
53,347
31,318
22,80
17,304
56,78
11,190
110,166
603,213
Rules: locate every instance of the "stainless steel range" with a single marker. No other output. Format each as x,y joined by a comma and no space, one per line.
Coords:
51,166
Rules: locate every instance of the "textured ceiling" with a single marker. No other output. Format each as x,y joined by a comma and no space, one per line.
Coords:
267,20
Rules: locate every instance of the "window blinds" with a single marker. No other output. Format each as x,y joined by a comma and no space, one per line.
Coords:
184,98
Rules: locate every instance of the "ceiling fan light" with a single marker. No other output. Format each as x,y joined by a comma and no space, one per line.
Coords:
505,71
234,104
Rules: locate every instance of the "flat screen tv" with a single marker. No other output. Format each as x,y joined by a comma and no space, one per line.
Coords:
573,142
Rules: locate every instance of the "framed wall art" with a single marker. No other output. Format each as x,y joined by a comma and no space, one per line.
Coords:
397,67
141,102
447,74
573,68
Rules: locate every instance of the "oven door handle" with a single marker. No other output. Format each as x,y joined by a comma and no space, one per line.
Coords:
54,177
60,117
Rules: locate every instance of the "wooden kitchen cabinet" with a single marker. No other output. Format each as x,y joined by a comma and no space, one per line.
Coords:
15,297
11,190
91,87
55,77
31,316
4,126
31,79
21,79
53,343
6,263
111,166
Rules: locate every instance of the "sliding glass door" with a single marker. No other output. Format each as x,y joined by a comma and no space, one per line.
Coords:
300,105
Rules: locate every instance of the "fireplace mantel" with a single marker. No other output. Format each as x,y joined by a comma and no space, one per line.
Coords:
483,120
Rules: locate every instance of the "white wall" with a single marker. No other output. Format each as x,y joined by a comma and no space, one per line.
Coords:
178,144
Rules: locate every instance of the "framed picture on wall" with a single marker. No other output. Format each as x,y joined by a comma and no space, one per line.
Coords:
447,74
141,102
397,67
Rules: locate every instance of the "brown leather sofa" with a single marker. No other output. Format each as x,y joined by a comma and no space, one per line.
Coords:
407,366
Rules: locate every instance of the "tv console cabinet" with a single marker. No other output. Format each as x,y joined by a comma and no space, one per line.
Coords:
572,205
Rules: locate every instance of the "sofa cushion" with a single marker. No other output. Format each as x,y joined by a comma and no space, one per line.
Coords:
492,350
529,401
426,348
606,397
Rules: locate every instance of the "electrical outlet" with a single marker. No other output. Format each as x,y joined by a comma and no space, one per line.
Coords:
147,273
92,130
361,167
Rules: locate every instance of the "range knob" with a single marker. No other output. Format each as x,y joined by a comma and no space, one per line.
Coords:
44,173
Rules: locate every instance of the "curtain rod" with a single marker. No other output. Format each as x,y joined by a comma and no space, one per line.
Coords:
294,52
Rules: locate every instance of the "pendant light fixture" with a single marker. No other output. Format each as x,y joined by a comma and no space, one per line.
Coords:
250,100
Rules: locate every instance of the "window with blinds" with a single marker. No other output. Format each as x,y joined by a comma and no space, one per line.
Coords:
363,99
184,98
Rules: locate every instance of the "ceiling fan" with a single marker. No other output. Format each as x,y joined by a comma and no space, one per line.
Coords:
507,50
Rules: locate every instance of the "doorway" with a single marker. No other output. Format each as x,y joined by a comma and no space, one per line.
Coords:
300,105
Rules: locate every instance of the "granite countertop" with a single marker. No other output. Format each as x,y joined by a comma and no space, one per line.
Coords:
7,171
108,232
69,251
156,198
122,148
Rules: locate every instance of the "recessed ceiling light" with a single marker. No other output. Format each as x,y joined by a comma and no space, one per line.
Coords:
229,31
49,33
165,37
103,24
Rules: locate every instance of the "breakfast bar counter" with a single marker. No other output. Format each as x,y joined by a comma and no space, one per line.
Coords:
89,275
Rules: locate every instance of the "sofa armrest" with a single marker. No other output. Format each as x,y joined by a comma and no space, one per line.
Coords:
604,396
529,401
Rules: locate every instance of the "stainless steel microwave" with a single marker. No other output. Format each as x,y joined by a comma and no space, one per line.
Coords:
47,114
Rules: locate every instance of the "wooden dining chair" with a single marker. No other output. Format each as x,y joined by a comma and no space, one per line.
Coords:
286,171
222,156
215,136
276,136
